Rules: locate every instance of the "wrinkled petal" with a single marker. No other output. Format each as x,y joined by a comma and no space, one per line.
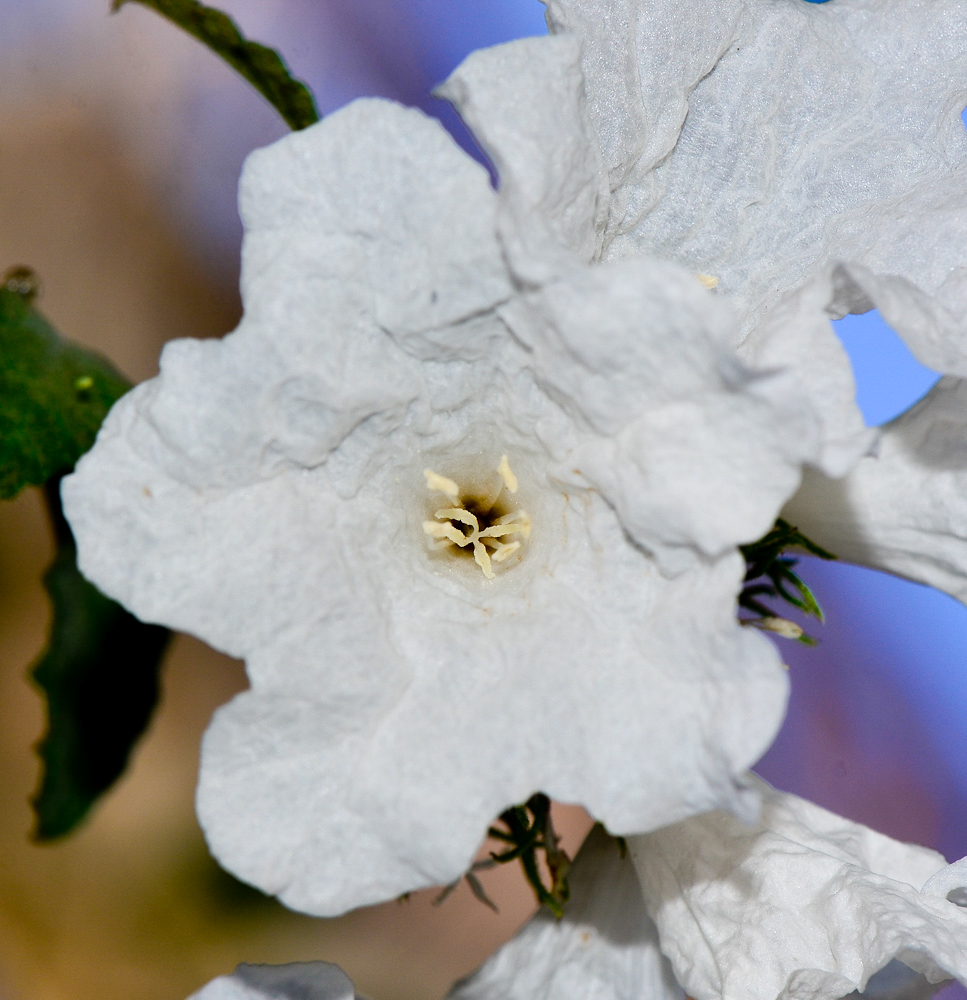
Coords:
904,507
796,338
642,59
804,904
525,103
331,800
329,274
297,981
932,326
814,133
604,948
692,448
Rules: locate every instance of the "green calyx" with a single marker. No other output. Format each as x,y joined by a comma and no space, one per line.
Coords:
770,574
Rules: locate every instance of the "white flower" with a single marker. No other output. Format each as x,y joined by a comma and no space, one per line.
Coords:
803,905
765,143
291,494
297,981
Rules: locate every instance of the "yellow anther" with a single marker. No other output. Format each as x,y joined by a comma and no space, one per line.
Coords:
464,517
448,527
482,559
434,481
779,626
708,280
507,474
504,550
499,530
444,532
519,519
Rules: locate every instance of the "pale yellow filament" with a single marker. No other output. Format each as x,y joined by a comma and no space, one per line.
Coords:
507,474
440,484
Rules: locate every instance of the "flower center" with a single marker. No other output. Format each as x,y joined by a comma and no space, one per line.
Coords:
478,525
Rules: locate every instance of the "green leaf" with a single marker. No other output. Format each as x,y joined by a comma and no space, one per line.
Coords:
261,66
53,394
100,669
100,677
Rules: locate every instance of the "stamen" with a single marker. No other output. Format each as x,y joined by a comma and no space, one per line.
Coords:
434,481
520,518
507,474
464,517
446,529
482,559
504,550
499,530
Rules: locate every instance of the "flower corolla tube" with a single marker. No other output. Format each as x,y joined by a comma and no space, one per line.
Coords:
465,486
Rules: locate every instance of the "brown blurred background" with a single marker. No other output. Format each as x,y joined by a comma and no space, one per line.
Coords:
119,148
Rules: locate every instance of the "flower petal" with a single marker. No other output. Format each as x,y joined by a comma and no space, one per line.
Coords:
796,337
332,799
525,103
641,60
904,507
325,240
803,905
297,981
604,948
695,450
814,133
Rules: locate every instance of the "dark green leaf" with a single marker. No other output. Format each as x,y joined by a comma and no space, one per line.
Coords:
53,394
100,677
261,66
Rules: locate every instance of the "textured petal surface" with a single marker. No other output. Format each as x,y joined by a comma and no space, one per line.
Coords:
268,493
903,508
604,948
298,981
814,133
642,59
796,338
525,103
803,905
675,428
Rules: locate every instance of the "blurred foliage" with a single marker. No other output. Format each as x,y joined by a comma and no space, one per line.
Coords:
53,394
99,671
99,674
263,67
